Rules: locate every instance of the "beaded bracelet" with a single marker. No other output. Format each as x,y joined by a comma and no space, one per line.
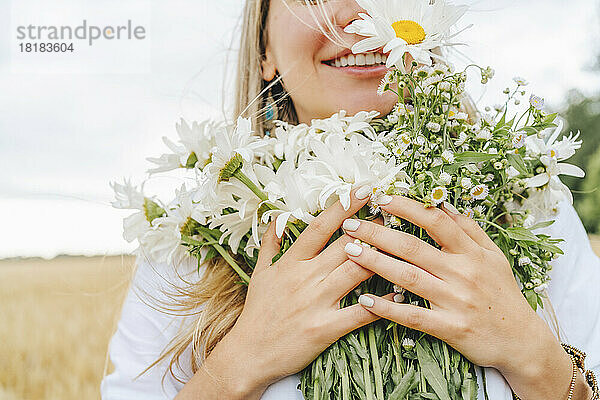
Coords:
578,359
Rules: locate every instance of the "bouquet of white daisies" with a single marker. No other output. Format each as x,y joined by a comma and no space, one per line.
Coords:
500,168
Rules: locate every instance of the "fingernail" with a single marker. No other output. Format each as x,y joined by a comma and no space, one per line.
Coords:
366,301
450,208
351,224
363,192
353,249
398,298
384,200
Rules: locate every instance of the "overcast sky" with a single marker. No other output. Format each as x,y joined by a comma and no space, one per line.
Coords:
65,136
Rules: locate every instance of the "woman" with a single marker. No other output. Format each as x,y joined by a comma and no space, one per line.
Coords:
249,345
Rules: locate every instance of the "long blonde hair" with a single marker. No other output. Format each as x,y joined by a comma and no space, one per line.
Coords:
217,299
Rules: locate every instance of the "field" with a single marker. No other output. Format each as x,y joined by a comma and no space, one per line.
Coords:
56,318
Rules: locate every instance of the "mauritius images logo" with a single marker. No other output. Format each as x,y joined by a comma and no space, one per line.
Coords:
83,32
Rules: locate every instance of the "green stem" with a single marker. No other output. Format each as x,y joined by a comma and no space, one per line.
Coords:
248,182
397,349
485,393
260,194
316,377
376,366
366,372
345,378
224,253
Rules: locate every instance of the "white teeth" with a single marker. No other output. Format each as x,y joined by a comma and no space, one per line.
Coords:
363,59
351,60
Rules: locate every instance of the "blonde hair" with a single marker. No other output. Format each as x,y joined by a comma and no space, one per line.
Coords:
217,299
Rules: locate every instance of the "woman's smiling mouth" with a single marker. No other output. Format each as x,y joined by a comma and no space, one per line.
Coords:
361,59
365,65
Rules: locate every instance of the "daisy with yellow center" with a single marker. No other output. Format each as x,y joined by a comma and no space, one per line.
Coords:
439,195
480,192
410,31
408,26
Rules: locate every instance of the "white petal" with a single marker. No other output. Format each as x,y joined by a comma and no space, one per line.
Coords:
281,223
570,169
538,180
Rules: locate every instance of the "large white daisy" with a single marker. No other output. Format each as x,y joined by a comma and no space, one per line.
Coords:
194,148
407,26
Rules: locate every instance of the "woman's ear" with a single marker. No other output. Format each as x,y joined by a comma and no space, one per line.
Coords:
267,66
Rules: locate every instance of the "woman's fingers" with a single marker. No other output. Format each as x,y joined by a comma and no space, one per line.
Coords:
333,255
406,275
269,248
347,319
436,222
470,227
343,279
316,235
400,244
414,317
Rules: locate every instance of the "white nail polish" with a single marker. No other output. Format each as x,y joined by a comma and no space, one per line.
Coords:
450,208
351,224
384,200
353,249
398,298
366,301
363,192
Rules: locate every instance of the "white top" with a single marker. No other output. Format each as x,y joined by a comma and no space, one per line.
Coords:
143,332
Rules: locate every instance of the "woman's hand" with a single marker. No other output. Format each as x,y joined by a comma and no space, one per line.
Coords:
476,304
292,311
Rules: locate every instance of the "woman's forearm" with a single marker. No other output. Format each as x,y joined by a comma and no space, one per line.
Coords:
228,373
541,369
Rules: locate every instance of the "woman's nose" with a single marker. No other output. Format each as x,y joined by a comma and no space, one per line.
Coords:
346,12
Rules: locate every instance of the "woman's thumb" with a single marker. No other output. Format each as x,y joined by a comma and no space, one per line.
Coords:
269,247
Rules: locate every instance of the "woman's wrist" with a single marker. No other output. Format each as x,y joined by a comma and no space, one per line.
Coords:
230,372
539,367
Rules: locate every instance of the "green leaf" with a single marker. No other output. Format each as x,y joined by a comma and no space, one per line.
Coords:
468,389
520,233
531,297
541,225
549,118
517,162
474,157
404,386
432,372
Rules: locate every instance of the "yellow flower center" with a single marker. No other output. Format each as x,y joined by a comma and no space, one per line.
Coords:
438,194
410,31
478,191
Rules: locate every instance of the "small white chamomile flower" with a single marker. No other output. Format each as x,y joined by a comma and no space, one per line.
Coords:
466,183
448,157
445,178
434,127
480,192
438,195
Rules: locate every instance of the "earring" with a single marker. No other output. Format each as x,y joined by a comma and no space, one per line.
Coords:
271,112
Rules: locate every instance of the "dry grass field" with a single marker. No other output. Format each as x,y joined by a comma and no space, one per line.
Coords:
56,318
